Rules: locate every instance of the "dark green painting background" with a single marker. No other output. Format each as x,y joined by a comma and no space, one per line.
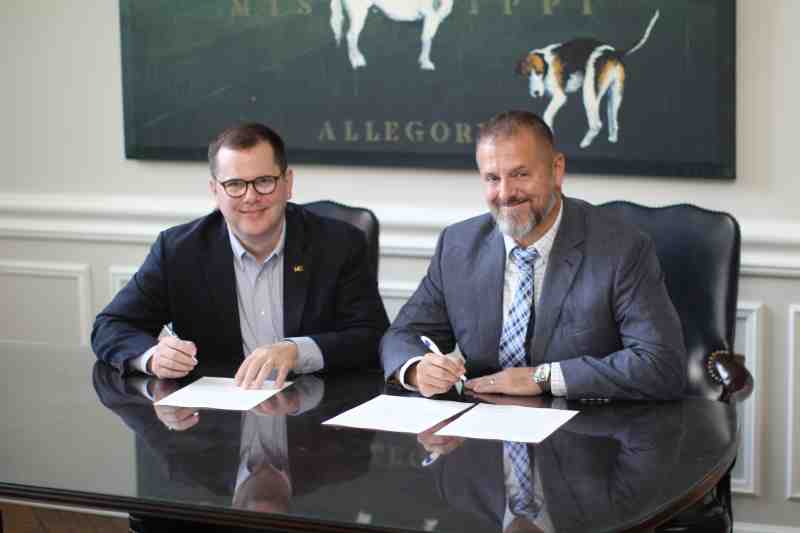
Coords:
191,68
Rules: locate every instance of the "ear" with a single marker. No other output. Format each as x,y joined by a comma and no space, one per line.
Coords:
537,64
559,169
523,67
289,183
212,188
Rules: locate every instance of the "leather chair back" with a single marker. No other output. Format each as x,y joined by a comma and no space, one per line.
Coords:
360,217
699,252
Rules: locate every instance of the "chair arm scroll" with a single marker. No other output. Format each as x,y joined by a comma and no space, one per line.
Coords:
728,370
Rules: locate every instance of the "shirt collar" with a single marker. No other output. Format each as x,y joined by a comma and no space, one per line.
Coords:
239,251
545,242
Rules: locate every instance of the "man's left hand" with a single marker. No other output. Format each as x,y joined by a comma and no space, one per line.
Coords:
256,368
286,402
515,381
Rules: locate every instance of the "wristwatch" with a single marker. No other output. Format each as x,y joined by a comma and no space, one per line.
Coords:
541,376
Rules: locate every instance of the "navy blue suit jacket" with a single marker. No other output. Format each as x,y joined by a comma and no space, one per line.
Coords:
604,312
188,279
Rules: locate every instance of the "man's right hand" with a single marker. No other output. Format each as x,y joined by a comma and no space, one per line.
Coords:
173,358
435,374
439,444
173,418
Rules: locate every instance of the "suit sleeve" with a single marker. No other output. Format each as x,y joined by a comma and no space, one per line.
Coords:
360,318
651,365
425,313
128,326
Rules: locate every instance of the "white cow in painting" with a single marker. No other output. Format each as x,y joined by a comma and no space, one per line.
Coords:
432,12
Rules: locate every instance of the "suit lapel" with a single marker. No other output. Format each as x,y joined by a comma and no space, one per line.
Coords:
565,260
296,271
491,265
221,281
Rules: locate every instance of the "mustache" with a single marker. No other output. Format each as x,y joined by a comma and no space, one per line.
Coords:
511,202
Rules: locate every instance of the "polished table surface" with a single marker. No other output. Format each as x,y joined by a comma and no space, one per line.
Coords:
76,432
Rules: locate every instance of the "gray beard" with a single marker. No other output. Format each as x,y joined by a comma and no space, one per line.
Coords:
518,231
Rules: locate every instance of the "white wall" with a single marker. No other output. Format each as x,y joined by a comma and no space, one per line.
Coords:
68,195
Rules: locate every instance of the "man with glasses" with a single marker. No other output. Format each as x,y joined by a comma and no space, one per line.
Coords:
260,286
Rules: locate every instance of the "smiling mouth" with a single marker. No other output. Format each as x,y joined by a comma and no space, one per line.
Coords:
253,211
508,205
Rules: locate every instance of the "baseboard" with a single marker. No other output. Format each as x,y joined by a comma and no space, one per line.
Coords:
746,527
70,508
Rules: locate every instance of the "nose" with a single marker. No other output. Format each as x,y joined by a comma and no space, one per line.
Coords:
250,194
504,191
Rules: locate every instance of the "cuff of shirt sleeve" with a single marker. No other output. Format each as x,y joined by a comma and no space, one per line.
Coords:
559,403
311,389
140,363
140,385
401,374
309,356
558,387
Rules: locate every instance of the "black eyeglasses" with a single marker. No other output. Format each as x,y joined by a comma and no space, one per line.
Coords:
236,188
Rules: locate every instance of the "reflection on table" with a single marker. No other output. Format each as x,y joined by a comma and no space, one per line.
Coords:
610,468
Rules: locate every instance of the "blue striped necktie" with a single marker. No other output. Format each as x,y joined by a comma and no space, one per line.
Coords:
522,502
511,352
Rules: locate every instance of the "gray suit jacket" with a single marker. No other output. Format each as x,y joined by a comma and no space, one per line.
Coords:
604,312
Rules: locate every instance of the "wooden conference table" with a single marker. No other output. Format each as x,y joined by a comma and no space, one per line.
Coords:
77,433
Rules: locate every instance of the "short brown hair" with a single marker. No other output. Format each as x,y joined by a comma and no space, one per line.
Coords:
507,123
243,136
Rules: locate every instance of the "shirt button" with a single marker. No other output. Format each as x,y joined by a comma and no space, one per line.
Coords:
262,313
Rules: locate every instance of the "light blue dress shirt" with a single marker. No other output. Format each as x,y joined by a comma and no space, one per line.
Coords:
259,293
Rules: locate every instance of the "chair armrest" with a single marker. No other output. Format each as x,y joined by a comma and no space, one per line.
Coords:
728,370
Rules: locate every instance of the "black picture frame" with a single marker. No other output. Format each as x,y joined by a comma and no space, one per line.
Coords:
193,67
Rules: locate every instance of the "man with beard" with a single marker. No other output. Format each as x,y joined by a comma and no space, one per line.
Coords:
544,294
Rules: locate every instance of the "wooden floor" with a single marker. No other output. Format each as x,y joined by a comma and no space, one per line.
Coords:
24,519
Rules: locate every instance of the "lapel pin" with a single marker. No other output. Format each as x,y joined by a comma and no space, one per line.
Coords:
298,268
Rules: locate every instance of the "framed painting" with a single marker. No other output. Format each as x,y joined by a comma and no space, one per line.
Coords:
642,87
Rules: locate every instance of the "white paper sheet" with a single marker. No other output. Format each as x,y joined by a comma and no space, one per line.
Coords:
507,422
220,393
398,413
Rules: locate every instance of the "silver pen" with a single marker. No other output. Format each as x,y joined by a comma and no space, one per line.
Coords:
435,349
171,333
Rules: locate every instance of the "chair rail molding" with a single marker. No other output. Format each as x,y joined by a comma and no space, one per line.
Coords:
770,248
